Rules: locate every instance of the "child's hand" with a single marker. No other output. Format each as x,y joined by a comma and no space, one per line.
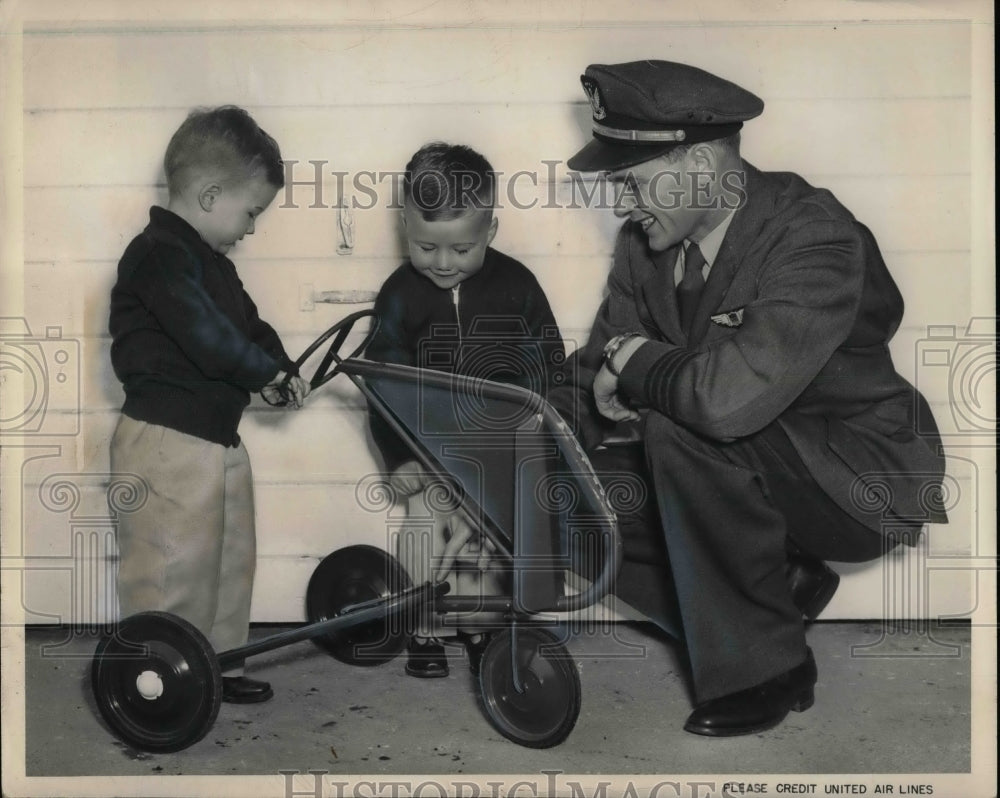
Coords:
463,538
409,478
297,391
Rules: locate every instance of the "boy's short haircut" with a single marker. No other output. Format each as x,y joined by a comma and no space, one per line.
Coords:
225,143
446,180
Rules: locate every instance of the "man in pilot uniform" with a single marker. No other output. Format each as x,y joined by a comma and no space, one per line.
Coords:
747,319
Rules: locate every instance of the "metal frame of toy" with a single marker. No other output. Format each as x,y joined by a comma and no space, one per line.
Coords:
157,681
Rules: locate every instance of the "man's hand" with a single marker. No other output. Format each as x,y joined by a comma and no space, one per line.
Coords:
409,478
606,397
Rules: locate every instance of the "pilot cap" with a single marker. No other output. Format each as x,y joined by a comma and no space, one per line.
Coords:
644,109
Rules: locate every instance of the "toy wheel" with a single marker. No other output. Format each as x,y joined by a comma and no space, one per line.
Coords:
157,682
350,576
544,711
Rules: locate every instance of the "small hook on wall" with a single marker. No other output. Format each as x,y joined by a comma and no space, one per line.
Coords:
345,228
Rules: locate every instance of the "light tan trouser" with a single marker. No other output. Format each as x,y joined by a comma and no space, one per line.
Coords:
191,548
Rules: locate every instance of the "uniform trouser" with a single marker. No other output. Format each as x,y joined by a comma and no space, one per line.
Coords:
729,513
190,549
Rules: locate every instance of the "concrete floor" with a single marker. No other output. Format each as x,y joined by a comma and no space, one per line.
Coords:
901,706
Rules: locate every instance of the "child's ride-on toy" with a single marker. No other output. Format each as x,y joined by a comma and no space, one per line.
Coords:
512,464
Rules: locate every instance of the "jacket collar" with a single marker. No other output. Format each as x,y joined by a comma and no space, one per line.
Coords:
712,243
489,263
167,224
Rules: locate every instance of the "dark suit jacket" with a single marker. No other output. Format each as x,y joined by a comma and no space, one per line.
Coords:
803,309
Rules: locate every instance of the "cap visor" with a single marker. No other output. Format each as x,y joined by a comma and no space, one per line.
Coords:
603,156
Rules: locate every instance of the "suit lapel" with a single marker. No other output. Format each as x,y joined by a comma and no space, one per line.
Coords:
742,231
719,279
660,297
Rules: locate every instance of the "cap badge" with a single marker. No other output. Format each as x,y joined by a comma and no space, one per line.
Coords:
594,95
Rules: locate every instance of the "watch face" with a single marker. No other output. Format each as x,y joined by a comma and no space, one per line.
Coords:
609,352
615,343
612,348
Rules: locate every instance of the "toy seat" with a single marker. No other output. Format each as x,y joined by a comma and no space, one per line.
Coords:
518,470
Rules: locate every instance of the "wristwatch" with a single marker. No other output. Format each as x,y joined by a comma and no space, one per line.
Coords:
612,347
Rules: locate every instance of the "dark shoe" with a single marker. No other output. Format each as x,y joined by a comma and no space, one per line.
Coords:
426,660
475,645
241,690
812,583
759,707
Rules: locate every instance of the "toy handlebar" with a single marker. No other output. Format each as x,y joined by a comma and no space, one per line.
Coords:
324,373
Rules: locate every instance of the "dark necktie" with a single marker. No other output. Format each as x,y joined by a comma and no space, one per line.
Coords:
690,287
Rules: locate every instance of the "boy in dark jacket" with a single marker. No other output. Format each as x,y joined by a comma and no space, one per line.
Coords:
443,309
189,348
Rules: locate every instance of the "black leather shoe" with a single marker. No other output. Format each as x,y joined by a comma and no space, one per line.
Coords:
241,690
426,660
757,708
812,583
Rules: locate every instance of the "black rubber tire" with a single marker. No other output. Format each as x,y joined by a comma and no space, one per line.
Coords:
188,671
546,711
350,576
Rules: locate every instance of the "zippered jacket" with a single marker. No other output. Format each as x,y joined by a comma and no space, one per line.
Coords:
496,324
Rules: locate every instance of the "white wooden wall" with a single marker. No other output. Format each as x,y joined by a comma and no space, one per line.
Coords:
879,112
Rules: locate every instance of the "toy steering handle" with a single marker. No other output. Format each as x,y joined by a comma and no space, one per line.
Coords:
324,373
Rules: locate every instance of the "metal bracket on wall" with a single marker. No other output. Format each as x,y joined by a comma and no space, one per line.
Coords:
350,297
345,228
